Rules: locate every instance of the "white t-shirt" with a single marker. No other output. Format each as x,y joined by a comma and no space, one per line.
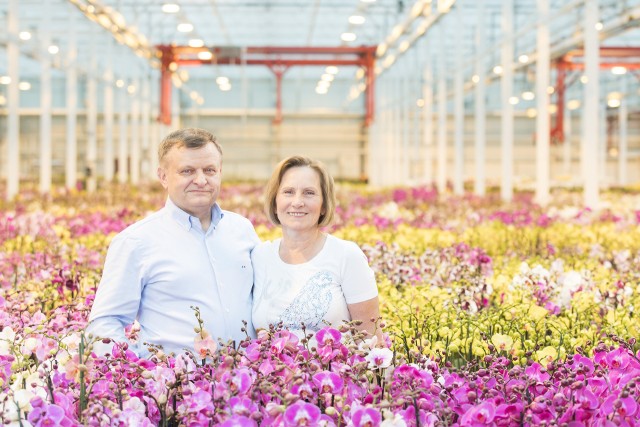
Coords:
316,292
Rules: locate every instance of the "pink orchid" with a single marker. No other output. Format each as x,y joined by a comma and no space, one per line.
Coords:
328,382
301,414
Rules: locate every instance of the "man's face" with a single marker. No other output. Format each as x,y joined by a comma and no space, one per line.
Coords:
192,177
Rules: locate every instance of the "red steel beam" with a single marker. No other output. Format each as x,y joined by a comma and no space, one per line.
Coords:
277,58
567,63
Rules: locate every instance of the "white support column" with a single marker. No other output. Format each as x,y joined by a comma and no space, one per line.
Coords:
602,146
157,135
46,105
145,166
397,131
458,107
92,118
566,147
13,101
123,154
404,109
175,109
388,130
479,183
441,179
71,159
135,132
623,136
108,115
590,112
506,91
542,104
157,129
427,95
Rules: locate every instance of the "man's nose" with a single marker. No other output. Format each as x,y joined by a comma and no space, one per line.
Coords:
200,178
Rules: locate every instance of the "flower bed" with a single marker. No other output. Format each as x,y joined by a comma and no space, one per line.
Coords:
496,315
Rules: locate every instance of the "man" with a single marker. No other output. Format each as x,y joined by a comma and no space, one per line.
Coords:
189,253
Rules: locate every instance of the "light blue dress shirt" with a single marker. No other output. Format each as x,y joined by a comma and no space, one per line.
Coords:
159,267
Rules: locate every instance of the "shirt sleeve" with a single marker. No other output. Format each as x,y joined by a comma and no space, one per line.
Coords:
359,282
118,296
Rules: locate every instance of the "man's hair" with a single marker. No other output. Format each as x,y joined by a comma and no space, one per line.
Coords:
189,138
326,186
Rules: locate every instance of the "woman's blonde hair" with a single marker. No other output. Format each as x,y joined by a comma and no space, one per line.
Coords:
326,186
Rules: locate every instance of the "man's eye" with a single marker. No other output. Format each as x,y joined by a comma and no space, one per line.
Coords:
186,171
210,171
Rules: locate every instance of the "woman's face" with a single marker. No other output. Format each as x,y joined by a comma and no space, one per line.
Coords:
299,199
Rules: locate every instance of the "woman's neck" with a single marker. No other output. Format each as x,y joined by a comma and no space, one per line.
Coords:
297,248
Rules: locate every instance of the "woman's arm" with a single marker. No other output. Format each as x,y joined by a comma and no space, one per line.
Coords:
368,312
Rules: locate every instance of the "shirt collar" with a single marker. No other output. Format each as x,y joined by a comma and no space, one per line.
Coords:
186,220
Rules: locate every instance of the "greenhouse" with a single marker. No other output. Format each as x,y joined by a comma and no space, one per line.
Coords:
320,213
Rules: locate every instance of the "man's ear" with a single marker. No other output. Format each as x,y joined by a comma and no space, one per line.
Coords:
162,176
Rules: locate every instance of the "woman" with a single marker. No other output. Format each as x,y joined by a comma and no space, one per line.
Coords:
308,276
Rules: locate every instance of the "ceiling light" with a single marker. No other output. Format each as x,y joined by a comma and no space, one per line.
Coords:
528,95
5,80
348,37
120,83
531,112
3,100
551,89
327,77
205,55
381,49
360,73
357,19
514,100
325,83
523,59
331,69
420,103
553,108
573,104
200,100
599,26
618,70
388,61
196,43
53,49
24,35
222,80
225,88
404,46
475,78
170,8
321,90
24,85
613,103
497,69
584,80
194,95
131,89
185,27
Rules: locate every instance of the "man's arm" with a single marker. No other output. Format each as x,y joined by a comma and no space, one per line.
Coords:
118,296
